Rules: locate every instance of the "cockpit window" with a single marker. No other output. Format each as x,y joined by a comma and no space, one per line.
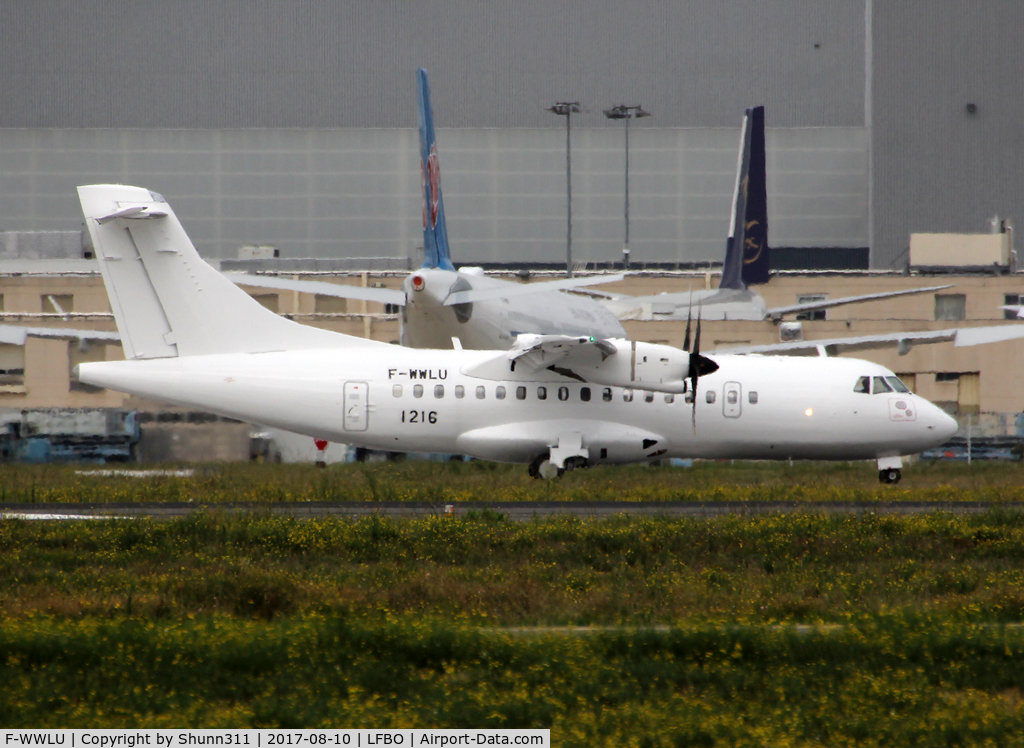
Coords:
863,385
897,384
880,385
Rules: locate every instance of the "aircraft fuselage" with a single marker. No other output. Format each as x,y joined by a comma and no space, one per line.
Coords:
396,399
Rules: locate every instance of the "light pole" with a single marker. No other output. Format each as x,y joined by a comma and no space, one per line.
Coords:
567,109
626,113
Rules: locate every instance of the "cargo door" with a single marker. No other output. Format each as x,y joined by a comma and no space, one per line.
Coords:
356,406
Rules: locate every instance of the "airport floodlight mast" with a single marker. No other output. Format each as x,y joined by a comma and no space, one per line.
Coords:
626,113
567,109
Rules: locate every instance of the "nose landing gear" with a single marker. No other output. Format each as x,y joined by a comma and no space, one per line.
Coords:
889,469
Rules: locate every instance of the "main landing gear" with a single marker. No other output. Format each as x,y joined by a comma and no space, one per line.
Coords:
889,469
892,475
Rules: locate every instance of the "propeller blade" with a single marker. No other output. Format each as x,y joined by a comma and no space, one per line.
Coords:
695,369
689,316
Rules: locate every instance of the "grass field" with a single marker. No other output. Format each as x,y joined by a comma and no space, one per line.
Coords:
442,483
799,629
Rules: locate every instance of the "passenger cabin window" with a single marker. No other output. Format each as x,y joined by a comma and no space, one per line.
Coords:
863,385
499,392
563,393
880,385
710,396
481,393
752,398
438,391
732,397
585,394
897,384
417,390
397,390
670,399
649,397
606,394
520,393
542,393
627,396
460,391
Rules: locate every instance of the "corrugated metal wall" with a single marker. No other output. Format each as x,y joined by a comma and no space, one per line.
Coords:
355,192
938,167
499,63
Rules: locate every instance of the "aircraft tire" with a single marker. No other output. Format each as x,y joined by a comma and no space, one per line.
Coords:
890,476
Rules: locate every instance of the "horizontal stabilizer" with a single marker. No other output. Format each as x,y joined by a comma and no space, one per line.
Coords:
16,335
343,291
522,289
810,306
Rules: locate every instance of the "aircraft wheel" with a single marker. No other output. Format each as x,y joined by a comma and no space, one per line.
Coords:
549,470
892,475
534,468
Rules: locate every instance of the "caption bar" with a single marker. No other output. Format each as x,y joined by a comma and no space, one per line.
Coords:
274,738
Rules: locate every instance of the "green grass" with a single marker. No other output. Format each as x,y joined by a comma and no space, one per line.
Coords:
441,483
886,682
486,570
799,629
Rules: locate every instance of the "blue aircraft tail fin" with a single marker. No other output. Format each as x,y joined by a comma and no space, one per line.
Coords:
435,232
746,249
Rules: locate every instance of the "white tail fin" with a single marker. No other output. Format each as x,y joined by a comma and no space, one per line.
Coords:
169,302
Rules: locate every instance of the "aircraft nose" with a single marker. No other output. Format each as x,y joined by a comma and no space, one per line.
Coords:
940,423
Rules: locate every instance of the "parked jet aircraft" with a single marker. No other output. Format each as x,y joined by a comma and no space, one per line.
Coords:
555,402
441,305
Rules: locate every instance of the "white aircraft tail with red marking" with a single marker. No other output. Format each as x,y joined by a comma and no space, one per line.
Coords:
166,299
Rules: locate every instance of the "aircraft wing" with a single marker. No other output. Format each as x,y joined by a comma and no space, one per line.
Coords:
360,293
960,337
485,294
779,311
543,351
15,334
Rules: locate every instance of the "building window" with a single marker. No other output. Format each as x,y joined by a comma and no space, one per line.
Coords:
950,306
585,394
1010,299
396,390
460,392
810,298
417,390
499,392
392,309
324,304
58,303
438,391
12,365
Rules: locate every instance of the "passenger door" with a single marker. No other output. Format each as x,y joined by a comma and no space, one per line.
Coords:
356,406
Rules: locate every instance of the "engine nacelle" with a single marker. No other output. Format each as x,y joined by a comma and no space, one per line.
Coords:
644,366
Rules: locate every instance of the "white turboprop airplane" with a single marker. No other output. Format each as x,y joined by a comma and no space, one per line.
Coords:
554,402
